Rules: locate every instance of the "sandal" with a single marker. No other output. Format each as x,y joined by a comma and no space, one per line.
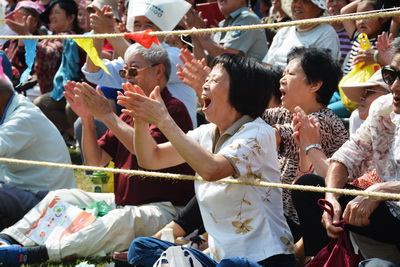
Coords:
13,255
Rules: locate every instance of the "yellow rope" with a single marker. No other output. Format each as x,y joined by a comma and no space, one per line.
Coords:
351,192
340,18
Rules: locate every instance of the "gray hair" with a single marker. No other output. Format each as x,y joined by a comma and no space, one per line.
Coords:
156,54
395,49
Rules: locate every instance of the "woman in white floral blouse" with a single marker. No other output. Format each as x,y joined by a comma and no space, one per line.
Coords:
242,221
376,143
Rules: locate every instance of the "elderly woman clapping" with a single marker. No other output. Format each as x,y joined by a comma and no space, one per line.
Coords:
236,144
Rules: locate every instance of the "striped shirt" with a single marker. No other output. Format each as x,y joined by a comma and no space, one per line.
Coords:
354,51
345,44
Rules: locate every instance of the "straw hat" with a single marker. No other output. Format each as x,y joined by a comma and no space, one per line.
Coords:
355,91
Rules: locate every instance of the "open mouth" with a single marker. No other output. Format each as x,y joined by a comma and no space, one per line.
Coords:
396,99
282,93
206,101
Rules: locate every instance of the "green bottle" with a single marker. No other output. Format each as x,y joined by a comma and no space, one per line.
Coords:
99,180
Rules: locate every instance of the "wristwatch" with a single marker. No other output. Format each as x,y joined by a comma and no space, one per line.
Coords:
317,146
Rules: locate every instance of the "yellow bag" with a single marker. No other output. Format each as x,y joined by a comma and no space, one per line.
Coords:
357,75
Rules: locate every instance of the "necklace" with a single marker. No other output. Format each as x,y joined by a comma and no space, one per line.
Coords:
306,29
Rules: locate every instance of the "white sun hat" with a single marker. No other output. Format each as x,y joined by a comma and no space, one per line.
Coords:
166,14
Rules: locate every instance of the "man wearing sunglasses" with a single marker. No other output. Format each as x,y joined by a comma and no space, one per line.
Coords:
364,94
140,18
375,145
140,205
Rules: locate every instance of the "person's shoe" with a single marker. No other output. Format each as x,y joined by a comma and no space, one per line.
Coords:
12,255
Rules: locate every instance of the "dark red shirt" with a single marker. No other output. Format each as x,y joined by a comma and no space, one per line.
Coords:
139,190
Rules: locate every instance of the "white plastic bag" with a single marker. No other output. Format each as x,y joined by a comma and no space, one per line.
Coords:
178,257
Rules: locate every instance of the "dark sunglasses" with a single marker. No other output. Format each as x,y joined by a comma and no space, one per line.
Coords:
132,71
389,74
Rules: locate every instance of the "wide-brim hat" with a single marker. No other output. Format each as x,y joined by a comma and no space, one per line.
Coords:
100,3
355,91
165,14
44,17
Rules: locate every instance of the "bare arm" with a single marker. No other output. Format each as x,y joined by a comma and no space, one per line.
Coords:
213,48
209,166
93,154
98,106
359,210
350,25
336,178
307,132
176,228
103,22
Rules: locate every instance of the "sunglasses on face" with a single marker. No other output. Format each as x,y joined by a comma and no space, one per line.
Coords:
389,74
132,71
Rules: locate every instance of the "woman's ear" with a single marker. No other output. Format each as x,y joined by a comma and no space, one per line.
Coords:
314,86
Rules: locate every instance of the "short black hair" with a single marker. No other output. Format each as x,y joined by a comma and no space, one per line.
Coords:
319,66
275,73
250,84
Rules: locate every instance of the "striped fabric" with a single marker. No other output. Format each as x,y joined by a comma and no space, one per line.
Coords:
354,52
345,44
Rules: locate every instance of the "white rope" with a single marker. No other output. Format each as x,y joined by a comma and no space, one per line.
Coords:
257,182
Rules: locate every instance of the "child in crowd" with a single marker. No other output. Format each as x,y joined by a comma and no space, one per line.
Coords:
371,27
180,41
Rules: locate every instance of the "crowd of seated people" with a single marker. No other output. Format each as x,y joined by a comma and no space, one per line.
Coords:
249,105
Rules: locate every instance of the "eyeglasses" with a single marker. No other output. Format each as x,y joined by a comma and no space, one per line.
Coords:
132,71
389,74
369,92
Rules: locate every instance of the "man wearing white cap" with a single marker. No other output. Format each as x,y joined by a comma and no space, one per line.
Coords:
364,94
141,205
253,43
142,15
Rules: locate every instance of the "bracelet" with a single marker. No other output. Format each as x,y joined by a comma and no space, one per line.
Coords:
317,146
376,55
300,173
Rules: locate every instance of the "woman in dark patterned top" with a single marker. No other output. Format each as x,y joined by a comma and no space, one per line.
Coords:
308,81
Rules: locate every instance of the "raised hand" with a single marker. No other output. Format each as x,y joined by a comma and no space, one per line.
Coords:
195,72
21,24
306,130
102,21
383,45
148,109
77,106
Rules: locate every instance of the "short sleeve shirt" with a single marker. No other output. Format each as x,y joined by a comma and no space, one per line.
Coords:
376,144
253,43
244,221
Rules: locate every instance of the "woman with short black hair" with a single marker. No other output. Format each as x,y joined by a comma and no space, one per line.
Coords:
241,220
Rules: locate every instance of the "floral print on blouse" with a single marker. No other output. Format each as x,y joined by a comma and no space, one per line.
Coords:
376,144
